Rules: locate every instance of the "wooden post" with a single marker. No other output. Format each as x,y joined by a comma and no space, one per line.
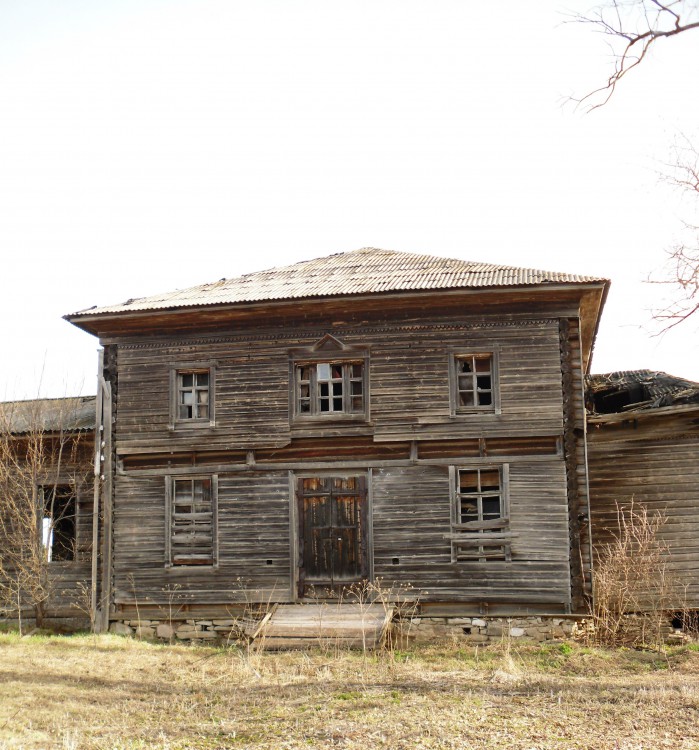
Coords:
99,428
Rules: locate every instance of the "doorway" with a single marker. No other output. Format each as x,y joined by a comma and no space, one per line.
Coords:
332,534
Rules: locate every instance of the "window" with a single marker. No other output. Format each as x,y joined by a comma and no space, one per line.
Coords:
59,522
480,520
191,535
474,383
192,399
330,388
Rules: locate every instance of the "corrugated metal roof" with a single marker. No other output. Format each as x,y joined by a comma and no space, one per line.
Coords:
48,415
638,390
365,271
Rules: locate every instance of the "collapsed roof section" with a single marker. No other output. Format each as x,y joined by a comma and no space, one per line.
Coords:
638,390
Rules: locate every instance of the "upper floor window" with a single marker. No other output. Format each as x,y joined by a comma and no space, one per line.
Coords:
192,395
191,534
329,380
330,388
474,382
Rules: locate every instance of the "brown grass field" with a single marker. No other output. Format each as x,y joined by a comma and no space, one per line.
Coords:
109,692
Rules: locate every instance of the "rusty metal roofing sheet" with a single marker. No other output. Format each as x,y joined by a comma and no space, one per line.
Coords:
364,271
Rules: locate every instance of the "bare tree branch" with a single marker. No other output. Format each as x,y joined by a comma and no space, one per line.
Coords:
633,27
681,269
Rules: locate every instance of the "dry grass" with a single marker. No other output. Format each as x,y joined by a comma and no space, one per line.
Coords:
109,692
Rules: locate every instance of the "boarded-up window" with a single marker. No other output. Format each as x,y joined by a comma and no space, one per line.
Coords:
192,522
481,526
330,388
59,522
474,382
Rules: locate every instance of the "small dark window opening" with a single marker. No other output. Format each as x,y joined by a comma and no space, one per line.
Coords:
687,621
58,525
395,561
270,562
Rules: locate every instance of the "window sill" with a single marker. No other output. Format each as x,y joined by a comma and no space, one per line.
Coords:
474,410
321,419
192,425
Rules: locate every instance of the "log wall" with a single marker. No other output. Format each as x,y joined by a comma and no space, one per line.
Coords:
405,448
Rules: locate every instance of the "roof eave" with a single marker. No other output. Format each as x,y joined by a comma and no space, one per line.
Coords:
86,320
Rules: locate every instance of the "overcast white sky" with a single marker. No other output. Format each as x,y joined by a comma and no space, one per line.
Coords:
157,144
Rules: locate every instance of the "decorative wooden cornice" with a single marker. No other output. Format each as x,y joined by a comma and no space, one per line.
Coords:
277,335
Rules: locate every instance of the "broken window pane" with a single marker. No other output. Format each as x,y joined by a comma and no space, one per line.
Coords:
474,381
480,495
480,505
330,388
194,395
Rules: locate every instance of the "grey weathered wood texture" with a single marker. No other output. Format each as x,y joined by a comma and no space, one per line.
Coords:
650,459
404,448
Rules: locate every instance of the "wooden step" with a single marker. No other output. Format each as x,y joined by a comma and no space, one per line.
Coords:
324,624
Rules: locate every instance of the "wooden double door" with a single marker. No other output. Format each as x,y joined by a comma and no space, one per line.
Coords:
332,533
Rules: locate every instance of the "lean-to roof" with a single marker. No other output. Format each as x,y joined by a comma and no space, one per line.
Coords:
48,415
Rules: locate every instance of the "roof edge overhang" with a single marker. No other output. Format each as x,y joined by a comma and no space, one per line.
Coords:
591,297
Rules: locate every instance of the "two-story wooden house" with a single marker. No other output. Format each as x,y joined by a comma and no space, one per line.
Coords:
368,415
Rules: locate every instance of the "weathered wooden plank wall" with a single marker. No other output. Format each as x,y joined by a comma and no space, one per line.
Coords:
412,516
69,580
628,464
412,497
253,544
409,385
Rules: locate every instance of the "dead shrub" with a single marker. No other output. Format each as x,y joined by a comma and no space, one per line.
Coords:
633,588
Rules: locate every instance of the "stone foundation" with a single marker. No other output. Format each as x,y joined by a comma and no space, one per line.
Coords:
475,630
467,630
215,631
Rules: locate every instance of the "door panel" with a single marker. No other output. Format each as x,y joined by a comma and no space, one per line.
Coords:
332,531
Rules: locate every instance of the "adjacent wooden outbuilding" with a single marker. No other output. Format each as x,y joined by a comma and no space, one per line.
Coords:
643,446
47,526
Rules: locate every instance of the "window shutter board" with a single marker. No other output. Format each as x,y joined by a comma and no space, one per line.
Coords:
191,537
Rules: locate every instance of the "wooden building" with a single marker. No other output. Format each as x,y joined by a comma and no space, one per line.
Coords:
643,445
46,510
371,415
